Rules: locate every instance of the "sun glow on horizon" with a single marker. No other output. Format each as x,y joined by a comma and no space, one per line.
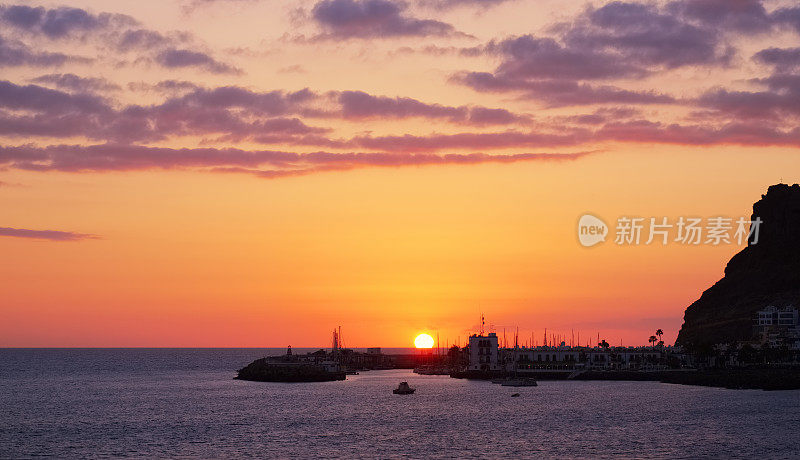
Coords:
423,341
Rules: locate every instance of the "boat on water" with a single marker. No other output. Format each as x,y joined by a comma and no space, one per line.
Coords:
519,382
404,389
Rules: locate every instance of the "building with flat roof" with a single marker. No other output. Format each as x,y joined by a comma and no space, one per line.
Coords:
483,353
778,327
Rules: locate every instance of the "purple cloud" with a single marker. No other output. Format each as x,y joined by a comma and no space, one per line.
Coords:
559,93
119,32
74,82
529,57
144,39
228,113
15,54
449,4
787,16
51,235
747,16
34,97
783,59
59,22
781,102
647,35
617,41
737,133
358,104
77,158
374,19
178,58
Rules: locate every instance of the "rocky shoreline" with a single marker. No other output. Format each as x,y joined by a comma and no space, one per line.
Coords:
756,378
263,370
746,378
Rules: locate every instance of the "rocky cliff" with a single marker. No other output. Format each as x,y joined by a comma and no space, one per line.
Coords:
761,274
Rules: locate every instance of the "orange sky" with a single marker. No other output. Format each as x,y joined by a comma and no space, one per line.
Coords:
188,256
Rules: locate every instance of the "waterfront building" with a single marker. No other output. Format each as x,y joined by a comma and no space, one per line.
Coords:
483,353
778,327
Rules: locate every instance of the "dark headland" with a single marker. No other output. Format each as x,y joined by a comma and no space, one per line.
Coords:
721,329
760,275
724,343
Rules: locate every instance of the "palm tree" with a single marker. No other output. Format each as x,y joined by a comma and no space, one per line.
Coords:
653,339
659,333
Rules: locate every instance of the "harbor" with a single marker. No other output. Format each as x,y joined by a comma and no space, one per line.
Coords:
483,357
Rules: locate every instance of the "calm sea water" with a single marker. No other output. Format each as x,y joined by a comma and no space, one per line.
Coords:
184,402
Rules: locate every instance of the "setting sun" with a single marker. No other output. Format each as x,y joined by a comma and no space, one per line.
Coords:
423,341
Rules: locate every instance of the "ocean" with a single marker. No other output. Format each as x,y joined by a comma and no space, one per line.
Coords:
79,403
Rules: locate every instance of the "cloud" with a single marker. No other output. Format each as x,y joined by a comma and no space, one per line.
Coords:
747,16
34,97
604,115
106,31
735,133
51,235
178,58
783,59
450,4
374,19
267,163
229,113
296,68
748,133
59,22
74,82
619,41
171,87
483,141
358,105
144,39
648,35
788,17
781,101
527,57
190,6
559,93
14,53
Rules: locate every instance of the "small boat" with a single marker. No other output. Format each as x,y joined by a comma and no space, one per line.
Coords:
403,389
520,382
515,395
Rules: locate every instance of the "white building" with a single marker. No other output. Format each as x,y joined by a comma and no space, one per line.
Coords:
779,326
774,316
483,354
564,357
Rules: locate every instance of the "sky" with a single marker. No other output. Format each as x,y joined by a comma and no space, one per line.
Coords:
255,173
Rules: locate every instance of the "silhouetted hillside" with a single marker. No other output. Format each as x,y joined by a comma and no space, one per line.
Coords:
761,274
